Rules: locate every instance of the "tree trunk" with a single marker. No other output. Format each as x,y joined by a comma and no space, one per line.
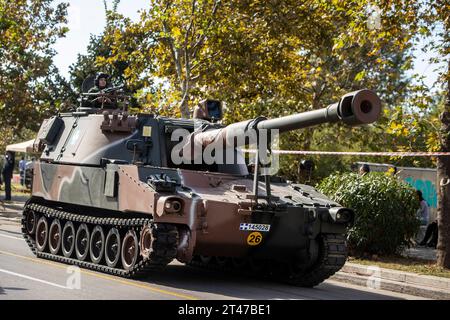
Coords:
184,108
443,171
308,133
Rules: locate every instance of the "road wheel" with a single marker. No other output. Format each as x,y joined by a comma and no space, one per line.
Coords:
54,240
82,242
129,250
112,248
41,234
30,222
97,244
146,241
68,239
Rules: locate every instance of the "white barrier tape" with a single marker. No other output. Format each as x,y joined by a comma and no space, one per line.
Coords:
388,154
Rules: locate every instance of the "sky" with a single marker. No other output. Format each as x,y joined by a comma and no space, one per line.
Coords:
86,17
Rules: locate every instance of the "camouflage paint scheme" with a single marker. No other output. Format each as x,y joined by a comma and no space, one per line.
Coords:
101,163
212,206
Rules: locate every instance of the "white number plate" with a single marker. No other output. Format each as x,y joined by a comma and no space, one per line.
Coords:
254,227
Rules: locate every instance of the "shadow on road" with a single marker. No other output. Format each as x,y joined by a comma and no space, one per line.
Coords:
243,287
4,289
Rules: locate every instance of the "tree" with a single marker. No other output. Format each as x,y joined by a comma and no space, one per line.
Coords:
275,58
285,58
98,49
256,53
443,166
437,17
167,44
28,29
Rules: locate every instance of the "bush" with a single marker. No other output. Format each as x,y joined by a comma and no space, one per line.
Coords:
385,210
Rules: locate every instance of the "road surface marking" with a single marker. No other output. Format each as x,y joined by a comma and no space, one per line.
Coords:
33,279
102,276
11,237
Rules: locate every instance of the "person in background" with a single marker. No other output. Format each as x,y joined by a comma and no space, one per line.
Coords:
431,236
423,213
7,173
304,171
22,171
364,169
29,168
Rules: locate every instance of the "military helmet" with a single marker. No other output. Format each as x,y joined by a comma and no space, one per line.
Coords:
101,75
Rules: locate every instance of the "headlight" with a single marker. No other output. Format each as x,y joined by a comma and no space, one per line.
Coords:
172,205
342,215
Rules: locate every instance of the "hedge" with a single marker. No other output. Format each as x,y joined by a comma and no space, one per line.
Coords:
385,210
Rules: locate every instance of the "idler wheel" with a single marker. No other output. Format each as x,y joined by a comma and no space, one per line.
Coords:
130,250
97,244
68,239
41,234
146,241
82,242
112,247
54,240
30,222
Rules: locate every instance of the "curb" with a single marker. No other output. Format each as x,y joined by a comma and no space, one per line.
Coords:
11,209
396,281
12,206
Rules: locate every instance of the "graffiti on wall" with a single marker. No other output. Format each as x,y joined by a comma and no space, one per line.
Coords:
428,189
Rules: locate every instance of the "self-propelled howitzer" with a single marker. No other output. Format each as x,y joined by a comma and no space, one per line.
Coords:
107,195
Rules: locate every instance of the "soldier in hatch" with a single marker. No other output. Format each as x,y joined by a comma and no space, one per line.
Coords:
101,83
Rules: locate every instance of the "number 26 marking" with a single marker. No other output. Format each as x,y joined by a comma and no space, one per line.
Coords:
254,239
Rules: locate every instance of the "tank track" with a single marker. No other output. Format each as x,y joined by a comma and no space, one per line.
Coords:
331,258
164,245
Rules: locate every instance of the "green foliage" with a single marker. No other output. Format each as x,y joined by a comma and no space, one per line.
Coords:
99,53
263,58
275,58
28,30
385,210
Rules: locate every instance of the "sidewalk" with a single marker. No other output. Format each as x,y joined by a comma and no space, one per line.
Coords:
393,280
424,253
13,209
398,281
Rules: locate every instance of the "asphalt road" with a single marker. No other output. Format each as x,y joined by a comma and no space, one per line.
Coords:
22,276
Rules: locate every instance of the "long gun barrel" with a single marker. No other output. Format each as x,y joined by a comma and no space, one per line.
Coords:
354,108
